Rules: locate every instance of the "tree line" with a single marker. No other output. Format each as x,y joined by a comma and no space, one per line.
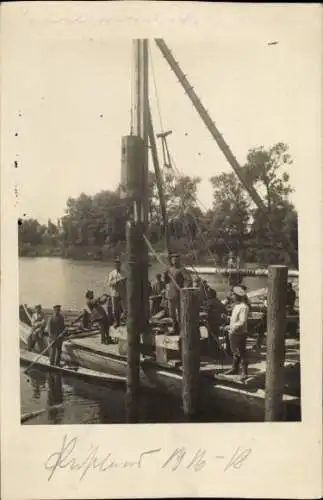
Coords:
94,226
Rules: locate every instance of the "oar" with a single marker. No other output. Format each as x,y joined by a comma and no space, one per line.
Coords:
28,416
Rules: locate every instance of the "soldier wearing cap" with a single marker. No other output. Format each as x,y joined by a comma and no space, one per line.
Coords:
238,332
38,324
56,328
175,279
96,310
88,309
114,281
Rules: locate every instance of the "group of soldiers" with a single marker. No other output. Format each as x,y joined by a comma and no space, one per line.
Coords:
47,334
229,317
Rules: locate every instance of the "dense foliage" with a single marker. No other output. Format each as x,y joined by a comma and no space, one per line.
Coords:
94,226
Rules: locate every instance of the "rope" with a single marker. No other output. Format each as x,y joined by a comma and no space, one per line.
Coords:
172,165
160,261
171,160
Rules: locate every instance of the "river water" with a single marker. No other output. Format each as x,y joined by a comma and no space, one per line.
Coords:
55,280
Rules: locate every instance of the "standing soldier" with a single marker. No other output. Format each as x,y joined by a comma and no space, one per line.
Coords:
101,315
88,309
238,333
38,324
176,276
55,328
114,281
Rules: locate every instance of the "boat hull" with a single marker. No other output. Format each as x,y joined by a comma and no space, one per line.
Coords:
241,403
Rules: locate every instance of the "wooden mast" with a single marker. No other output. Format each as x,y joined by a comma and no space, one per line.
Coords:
209,123
135,180
140,129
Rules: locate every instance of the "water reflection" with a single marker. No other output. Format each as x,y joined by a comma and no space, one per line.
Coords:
38,383
55,397
85,403
132,403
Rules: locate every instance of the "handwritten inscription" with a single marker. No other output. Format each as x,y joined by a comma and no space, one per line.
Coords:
180,458
64,459
237,459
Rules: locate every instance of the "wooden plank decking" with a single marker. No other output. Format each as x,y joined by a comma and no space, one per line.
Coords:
211,367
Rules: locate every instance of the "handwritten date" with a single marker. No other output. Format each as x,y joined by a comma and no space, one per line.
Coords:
68,458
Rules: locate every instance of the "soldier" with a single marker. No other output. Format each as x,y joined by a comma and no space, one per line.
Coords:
238,332
176,276
102,316
114,280
56,328
88,309
38,324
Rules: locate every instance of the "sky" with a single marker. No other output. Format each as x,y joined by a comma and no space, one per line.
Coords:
67,95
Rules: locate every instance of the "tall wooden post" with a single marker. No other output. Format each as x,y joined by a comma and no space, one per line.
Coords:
276,327
135,153
190,346
134,237
140,129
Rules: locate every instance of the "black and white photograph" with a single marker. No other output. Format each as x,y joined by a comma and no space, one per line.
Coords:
165,288
158,189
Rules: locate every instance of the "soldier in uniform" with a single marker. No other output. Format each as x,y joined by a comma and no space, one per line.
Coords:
88,309
56,328
116,277
238,332
38,324
175,279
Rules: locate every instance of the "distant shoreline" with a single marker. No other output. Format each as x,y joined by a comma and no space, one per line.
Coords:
91,254
108,254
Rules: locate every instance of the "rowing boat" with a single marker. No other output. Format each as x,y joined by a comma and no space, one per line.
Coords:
27,358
